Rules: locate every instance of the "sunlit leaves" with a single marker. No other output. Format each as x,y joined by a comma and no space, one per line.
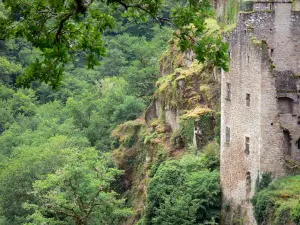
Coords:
184,192
79,193
60,29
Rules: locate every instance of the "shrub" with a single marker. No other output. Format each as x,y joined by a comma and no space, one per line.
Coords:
263,183
277,202
184,192
295,213
177,140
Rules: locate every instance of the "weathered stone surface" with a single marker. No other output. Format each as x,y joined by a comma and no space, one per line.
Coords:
265,59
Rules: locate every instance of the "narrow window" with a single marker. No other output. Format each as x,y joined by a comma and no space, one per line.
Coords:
227,134
298,142
247,99
272,52
287,145
248,59
298,120
228,85
272,6
247,145
248,182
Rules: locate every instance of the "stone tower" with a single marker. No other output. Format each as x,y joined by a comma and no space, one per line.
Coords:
260,103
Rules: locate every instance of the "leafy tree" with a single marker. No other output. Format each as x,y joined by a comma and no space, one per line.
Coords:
32,163
22,102
125,112
6,117
9,71
79,193
60,30
184,192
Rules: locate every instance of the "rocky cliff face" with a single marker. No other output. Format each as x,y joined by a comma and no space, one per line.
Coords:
186,91
183,117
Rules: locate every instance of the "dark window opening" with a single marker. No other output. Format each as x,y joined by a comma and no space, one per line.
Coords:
272,6
229,55
298,143
228,85
248,58
247,145
287,146
227,134
248,99
272,52
298,120
285,105
271,124
248,182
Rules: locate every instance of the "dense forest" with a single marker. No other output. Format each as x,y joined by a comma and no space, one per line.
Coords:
59,160
78,142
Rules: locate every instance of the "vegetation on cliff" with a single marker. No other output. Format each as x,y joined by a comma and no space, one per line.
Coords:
83,153
171,176
49,138
277,202
166,184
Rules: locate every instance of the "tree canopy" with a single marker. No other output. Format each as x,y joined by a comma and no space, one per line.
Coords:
65,31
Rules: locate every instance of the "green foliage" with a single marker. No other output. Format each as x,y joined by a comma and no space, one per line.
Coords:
201,118
127,133
211,155
33,162
22,102
50,140
176,139
205,124
263,205
183,192
9,71
231,12
263,182
160,156
42,130
295,213
278,203
62,31
187,128
124,112
217,129
78,193
150,137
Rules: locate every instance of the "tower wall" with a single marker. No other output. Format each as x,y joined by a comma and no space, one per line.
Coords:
265,63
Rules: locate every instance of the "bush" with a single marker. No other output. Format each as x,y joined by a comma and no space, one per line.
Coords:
263,183
277,202
295,213
176,140
263,204
184,192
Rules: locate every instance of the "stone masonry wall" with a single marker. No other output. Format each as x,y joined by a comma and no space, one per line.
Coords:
243,121
265,64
